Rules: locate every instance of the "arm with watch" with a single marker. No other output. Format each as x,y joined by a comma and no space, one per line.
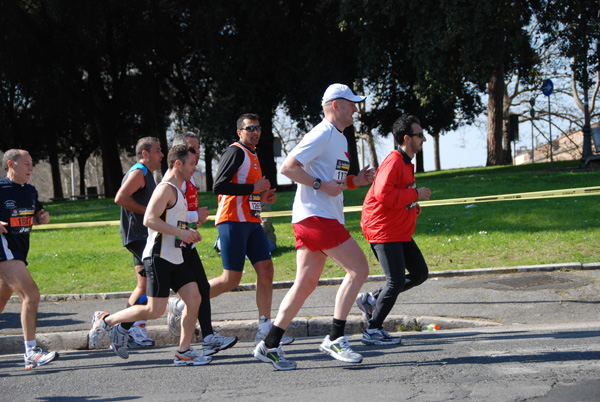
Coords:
294,170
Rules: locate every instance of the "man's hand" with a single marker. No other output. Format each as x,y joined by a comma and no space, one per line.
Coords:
42,217
365,176
190,236
418,207
269,196
202,214
3,226
333,187
423,193
261,185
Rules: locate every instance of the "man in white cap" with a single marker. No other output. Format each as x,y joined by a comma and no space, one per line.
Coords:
319,164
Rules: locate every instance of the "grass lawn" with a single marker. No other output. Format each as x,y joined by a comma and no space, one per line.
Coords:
492,234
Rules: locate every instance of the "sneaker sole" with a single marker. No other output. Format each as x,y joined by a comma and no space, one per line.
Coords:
184,363
339,357
210,352
135,345
380,343
35,364
265,359
118,354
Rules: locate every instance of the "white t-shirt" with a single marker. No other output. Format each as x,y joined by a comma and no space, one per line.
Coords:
324,154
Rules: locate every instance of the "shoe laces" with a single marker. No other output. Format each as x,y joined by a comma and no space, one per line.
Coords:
343,342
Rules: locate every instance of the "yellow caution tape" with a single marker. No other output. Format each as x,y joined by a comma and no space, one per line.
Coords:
570,192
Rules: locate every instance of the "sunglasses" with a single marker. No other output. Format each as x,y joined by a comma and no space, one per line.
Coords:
420,135
252,128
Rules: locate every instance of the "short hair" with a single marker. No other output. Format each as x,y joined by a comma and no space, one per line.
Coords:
144,144
249,116
403,126
181,138
12,155
179,152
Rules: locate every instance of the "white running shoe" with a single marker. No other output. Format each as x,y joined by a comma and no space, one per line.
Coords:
37,357
379,337
118,341
138,336
99,329
190,358
215,342
174,316
274,356
340,350
362,301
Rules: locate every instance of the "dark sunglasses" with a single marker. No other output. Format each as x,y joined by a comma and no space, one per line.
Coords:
252,128
420,135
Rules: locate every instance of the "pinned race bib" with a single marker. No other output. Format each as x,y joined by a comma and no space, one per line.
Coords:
255,208
341,170
21,220
179,243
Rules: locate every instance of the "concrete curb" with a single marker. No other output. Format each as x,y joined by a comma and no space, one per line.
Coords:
336,281
245,330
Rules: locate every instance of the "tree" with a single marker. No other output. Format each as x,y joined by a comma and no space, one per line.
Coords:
574,25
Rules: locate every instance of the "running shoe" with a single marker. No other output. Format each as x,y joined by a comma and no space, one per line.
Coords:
99,329
174,316
37,357
118,341
215,342
190,358
362,301
138,336
380,337
340,350
274,356
260,336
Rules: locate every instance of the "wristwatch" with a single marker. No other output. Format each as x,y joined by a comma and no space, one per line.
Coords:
317,184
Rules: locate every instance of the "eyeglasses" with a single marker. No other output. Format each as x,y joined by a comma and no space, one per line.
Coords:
420,135
252,128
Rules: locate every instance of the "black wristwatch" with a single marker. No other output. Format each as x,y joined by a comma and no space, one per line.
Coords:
317,184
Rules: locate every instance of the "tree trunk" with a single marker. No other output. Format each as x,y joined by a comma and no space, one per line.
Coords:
436,151
208,159
420,163
266,157
81,160
350,134
495,109
372,149
55,169
507,158
111,163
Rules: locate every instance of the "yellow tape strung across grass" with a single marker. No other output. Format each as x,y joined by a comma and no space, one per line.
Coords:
571,192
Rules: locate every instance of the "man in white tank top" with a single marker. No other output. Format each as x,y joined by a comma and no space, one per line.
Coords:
164,264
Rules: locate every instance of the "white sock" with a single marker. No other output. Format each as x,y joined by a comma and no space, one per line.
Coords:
264,324
29,345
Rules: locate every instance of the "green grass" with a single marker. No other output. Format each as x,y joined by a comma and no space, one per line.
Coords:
493,234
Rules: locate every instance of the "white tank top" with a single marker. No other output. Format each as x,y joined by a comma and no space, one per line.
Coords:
164,245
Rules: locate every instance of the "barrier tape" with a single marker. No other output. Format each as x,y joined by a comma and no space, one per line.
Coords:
571,192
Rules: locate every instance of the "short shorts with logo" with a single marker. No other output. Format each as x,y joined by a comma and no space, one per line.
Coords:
136,248
241,239
8,253
163,276
318,233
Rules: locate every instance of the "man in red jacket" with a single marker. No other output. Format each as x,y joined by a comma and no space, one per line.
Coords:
388,222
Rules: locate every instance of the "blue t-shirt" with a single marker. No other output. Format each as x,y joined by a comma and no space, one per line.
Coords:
18,205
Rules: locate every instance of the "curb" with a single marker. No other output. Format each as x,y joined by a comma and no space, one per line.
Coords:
575,266
245,330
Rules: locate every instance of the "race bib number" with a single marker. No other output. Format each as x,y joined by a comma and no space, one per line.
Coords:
255,207
341,170
178,242
21,220
414,203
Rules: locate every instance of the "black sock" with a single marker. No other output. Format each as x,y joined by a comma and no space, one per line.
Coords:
273,338
126,325
337,329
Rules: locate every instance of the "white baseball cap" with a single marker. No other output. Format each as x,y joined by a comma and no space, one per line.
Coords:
340,91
